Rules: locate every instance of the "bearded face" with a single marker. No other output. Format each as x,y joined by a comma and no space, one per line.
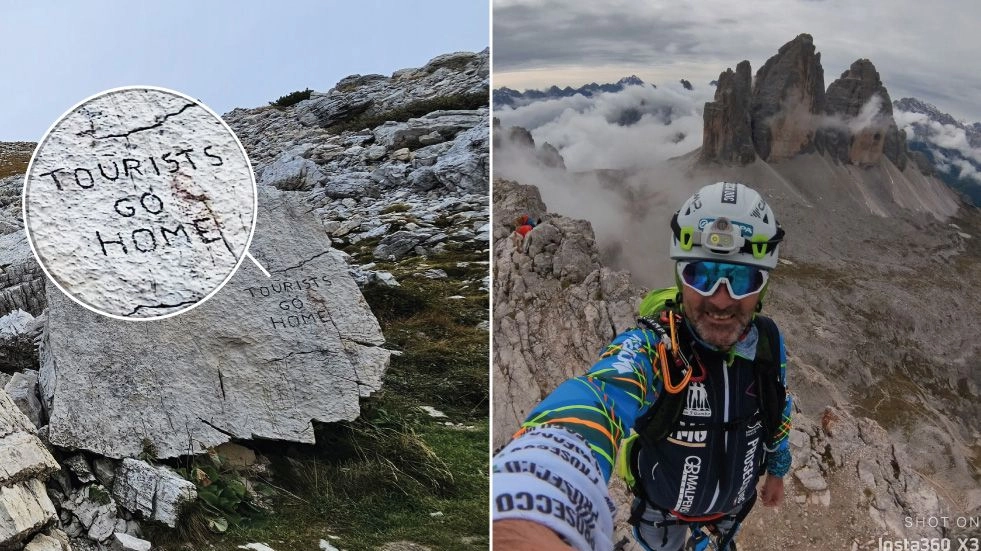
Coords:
719,319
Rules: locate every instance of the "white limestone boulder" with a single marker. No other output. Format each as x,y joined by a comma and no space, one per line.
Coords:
156,493
262,358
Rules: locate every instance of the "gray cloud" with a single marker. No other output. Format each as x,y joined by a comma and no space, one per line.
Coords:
589,134
552,34
920,51
943,136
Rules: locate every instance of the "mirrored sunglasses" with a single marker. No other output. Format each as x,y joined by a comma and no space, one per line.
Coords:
705,277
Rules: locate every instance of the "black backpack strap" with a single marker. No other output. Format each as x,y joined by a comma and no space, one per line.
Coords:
662,418
771,391
726,540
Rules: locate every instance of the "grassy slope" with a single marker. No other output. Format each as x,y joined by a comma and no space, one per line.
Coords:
380,478
14,163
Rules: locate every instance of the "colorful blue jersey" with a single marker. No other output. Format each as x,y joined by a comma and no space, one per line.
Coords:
711,463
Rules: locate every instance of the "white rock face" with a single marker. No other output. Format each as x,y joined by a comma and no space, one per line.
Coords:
263,358
21,456
94,509
22,389
140,203
24,462
15,322
24,508
155,492
126,542
44,542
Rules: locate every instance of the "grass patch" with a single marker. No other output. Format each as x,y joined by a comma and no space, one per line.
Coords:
292,98
14,163
443,221
368,482
381,477
444,356
414,109
397,207
366,499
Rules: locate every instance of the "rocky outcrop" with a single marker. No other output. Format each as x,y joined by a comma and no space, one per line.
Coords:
25,464
266,356
861,102
728,133
291,173
789,112
21,280
156,493
555,306
23,391
777,118
430,129
519,141
445,75
787,94
841,445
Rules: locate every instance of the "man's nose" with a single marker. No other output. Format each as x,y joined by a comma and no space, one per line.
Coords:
721,298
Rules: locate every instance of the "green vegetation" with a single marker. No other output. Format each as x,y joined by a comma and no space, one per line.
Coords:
397,207
222,493
292,99
149,450
99,495
443,221
415,109
12,163
395,473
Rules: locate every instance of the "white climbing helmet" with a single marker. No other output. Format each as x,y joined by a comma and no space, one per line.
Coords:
726,222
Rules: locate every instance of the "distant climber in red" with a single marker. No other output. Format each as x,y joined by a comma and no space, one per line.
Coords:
522,225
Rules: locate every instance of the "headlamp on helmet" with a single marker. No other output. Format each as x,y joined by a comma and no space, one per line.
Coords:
726,222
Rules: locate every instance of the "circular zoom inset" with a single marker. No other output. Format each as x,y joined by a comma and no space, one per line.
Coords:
139,203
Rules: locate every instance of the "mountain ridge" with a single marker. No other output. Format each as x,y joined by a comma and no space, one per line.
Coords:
505,96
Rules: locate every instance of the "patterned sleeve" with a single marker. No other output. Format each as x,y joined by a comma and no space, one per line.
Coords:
779,459
603,404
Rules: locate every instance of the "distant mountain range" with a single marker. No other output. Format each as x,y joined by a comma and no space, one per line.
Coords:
513,98
957,164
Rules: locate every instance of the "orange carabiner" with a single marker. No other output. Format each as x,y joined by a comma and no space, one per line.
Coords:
665,372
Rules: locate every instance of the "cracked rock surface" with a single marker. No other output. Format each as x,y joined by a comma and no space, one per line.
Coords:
261,359
25,463
140,203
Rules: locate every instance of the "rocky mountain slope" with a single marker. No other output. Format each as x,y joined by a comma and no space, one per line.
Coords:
380,182
875,294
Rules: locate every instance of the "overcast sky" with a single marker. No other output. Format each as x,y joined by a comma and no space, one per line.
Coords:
926,50
227,54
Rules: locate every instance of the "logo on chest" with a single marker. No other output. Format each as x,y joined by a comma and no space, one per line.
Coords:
697,403
689,437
